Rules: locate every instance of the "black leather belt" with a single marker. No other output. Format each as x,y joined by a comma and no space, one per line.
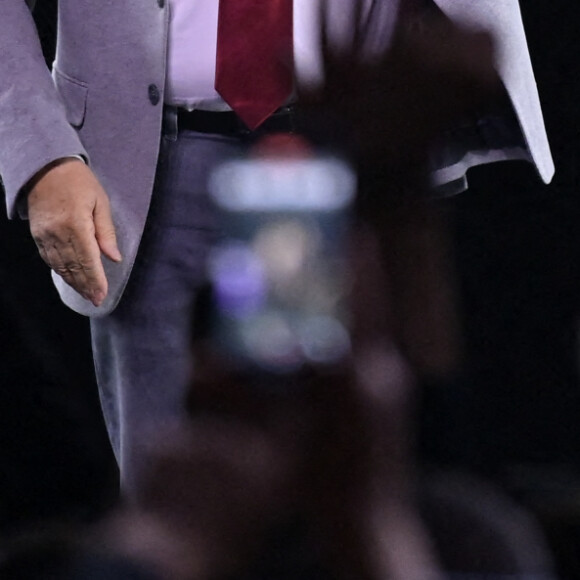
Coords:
228,123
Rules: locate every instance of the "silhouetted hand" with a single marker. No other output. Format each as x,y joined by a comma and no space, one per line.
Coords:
385,111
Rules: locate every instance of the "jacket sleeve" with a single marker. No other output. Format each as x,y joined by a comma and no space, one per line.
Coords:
33,125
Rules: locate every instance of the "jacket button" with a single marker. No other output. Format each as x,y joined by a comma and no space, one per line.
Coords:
154,94
161,3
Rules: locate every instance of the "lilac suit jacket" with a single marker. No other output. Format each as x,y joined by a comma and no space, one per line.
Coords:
104,100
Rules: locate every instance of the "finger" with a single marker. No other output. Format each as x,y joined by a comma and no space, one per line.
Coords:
371,305
361,29
105,229
86,270
76,258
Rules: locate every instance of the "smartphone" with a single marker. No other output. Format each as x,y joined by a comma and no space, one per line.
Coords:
279,275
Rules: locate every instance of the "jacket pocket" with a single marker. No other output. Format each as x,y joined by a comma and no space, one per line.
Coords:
74,96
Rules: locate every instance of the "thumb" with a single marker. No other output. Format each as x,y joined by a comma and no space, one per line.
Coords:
105,229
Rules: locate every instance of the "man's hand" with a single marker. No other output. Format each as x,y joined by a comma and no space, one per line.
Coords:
71,223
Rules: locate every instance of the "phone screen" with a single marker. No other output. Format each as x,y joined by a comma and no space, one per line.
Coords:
279,275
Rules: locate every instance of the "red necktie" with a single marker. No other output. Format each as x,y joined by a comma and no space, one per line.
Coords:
254,57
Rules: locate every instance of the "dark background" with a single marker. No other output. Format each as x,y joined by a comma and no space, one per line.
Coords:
513,414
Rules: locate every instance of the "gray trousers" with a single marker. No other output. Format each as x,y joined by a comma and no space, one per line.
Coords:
142,349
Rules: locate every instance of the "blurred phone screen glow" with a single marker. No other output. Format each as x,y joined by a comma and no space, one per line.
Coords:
280,276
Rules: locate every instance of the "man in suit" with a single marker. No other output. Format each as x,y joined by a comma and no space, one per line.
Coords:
109,159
